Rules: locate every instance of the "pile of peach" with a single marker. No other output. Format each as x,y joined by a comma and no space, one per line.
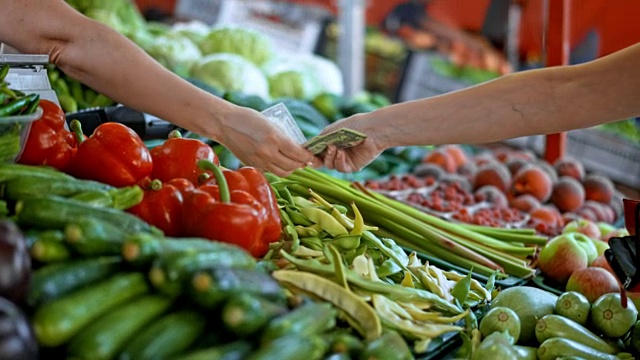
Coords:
550,194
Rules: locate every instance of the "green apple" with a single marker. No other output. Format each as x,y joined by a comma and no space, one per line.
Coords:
605,228
587,244
601,246
564,254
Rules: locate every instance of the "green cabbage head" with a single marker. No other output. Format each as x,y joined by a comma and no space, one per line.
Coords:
247,43
231,72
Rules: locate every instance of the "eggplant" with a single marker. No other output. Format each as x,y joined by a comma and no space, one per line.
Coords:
15,262
17,341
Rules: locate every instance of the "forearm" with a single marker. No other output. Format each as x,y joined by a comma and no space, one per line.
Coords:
111,64
534,102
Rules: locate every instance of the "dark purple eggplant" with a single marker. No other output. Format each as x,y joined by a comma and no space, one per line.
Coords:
17,341
15,262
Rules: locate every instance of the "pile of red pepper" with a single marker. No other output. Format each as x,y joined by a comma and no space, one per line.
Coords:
186,193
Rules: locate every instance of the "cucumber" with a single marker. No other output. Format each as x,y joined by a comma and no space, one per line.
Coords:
54,212
94,237
56,322
103,339
170,272
48,247
308,319
553,325
293,346
246,314
212,286
55,280
25,187
556,347
168,336
236,350
10,171
142,248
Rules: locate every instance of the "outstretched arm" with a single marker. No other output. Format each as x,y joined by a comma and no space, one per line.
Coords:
532,102
111,64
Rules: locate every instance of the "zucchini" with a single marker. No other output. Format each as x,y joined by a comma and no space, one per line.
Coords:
212,286
55,280
170,335
56,322
54,212
556,347
48,247
142,248
236,350
170,272
103,339
25,187
94,237
311,318
246,314
293,346
552,325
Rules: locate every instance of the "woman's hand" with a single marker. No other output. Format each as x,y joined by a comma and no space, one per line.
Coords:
354,158
258,143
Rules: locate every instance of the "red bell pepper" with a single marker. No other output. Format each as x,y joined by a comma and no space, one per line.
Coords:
251,180
178,157
215,213
161,207
48,142
183,185
114,154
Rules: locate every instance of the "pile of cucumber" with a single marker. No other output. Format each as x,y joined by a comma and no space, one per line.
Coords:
107,285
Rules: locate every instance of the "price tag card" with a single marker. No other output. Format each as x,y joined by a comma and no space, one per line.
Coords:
207,11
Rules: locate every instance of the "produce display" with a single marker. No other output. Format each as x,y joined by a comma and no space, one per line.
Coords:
17,110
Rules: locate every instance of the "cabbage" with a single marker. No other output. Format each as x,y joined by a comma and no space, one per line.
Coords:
321,73
176,53
195,30
231,72
247,43
296,84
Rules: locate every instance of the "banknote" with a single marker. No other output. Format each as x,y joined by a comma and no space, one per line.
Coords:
280,116
341,138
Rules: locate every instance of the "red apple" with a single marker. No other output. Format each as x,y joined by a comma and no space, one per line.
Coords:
562,256
593,282
583,226
602,262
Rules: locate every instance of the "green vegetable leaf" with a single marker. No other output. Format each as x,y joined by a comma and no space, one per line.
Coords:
461,290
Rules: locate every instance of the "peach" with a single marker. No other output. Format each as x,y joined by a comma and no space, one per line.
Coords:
547,215
598,188
567,194
551,171
534,180
603,212
569,166
515,164
593,282
587,213
425,170
495,174
491,194
457,153
468,170
441,158
484,158
526,203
